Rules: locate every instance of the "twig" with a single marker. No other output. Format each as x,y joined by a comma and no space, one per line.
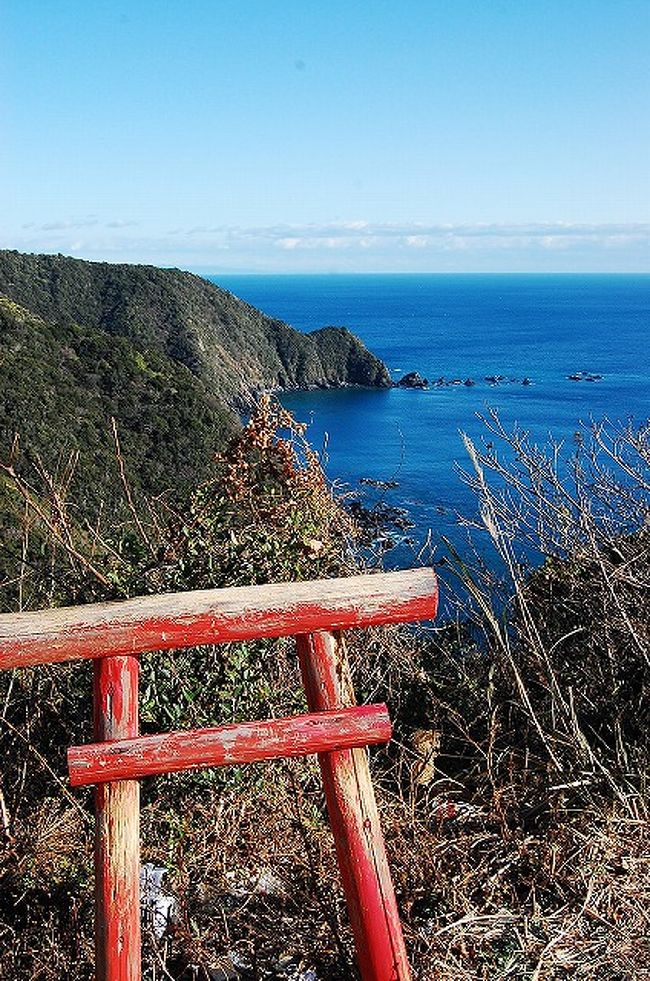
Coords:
470,919
41,759
4,814
127,489
22,488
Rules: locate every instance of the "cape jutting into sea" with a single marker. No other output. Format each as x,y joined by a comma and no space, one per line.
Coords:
505,342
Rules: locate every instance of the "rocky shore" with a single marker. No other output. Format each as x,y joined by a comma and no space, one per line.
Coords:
414,380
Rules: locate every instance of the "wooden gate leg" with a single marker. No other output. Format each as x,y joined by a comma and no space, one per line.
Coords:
368,886
117,829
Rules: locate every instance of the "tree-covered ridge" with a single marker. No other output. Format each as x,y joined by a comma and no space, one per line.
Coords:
231,346
61,384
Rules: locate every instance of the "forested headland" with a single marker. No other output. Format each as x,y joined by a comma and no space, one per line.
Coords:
171,357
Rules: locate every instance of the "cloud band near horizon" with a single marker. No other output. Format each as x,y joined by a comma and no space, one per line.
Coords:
353,245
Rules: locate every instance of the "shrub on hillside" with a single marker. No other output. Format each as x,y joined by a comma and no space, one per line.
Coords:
564,635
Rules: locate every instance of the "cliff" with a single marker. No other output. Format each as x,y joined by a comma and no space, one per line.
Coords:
169,355
232,347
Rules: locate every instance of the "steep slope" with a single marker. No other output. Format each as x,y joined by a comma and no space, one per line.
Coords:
231,346
59,386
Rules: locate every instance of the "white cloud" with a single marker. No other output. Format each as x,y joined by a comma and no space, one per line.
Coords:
349,244
59,226
417,241
289,243
121,224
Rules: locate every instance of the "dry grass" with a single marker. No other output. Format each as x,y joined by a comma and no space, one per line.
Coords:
494,879
514,797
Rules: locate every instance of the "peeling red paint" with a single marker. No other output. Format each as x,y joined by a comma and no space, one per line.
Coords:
113,633
174,620
381,953
117,829
247,742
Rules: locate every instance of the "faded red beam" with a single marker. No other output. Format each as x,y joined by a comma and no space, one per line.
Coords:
248,742
374,917
213,616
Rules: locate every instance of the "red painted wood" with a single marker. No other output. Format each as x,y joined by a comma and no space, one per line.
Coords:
174,620
117,829
247,742
370,896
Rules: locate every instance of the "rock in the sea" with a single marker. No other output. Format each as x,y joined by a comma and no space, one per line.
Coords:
584,376
412,380
379,484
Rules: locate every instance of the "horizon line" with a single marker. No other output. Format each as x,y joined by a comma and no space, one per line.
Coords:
415,272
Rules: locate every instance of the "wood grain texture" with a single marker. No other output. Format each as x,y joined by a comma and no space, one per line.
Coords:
379,942
117,829
174,620
246,742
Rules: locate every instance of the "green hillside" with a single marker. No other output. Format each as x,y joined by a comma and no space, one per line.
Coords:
61,384
234,348
171,357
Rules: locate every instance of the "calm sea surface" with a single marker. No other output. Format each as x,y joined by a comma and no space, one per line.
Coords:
540,327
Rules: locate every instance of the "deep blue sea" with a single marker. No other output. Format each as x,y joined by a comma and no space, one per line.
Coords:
540,327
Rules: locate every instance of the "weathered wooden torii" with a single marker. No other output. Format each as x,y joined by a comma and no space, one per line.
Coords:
114,634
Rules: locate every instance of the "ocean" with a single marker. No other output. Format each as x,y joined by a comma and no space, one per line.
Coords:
538,328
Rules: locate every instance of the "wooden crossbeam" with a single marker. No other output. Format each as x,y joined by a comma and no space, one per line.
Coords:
247,742
215,616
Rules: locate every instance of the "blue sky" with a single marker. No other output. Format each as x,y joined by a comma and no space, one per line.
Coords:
296,135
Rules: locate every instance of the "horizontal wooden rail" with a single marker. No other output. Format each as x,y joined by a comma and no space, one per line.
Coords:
248,742
212,616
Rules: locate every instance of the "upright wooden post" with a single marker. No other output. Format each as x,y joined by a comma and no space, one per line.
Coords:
117,831
352,808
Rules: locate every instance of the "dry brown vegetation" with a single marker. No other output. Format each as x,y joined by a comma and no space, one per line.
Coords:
514,797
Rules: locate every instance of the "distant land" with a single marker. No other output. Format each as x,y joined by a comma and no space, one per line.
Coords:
173,358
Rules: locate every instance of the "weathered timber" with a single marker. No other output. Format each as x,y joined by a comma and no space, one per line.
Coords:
117,829
247,742
173,620
379,942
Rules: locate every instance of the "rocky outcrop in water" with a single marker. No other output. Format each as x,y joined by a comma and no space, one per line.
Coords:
412,380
